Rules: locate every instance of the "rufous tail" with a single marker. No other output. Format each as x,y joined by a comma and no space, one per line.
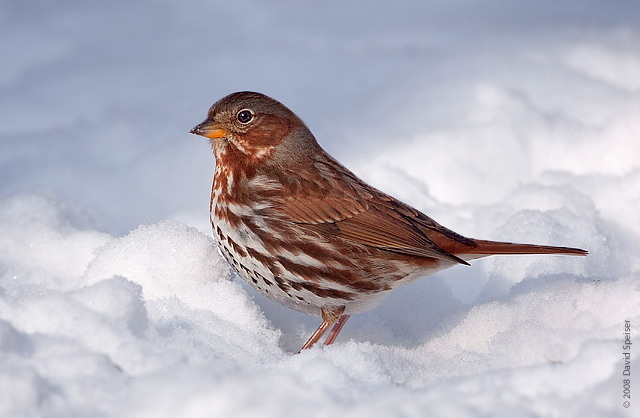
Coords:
495,248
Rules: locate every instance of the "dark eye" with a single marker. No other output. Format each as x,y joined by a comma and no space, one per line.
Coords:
245,116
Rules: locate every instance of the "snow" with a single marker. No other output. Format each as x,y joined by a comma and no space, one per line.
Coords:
502,120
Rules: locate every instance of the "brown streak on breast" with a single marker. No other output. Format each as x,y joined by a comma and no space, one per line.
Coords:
267,261
316,274
321,291
282,284
237,248
220,234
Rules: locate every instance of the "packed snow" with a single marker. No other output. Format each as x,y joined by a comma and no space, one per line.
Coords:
513,121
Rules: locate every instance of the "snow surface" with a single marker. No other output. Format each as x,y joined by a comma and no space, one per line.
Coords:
503,120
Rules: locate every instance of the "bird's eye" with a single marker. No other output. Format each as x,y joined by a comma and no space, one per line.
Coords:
245,116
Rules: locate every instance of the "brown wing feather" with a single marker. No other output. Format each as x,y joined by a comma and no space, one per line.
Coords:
373,222
314,210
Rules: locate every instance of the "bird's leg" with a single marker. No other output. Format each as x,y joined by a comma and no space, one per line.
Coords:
337,327
329,317
317,335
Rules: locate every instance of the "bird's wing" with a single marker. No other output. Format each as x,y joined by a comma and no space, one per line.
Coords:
376,220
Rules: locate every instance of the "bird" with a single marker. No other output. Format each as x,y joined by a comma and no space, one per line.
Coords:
305,231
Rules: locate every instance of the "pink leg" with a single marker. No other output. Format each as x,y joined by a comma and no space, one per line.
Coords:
328,318
315,337
337,327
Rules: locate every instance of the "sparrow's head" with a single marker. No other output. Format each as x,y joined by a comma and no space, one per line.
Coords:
253,124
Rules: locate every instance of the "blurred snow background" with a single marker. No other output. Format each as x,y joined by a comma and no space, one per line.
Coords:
502,120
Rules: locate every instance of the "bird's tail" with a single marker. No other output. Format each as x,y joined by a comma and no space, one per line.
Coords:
485,248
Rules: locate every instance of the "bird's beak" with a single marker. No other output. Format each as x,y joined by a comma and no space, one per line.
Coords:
209,129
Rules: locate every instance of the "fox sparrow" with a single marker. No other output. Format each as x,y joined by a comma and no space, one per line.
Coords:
308,233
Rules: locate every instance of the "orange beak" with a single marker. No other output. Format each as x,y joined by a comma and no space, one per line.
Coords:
209,129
